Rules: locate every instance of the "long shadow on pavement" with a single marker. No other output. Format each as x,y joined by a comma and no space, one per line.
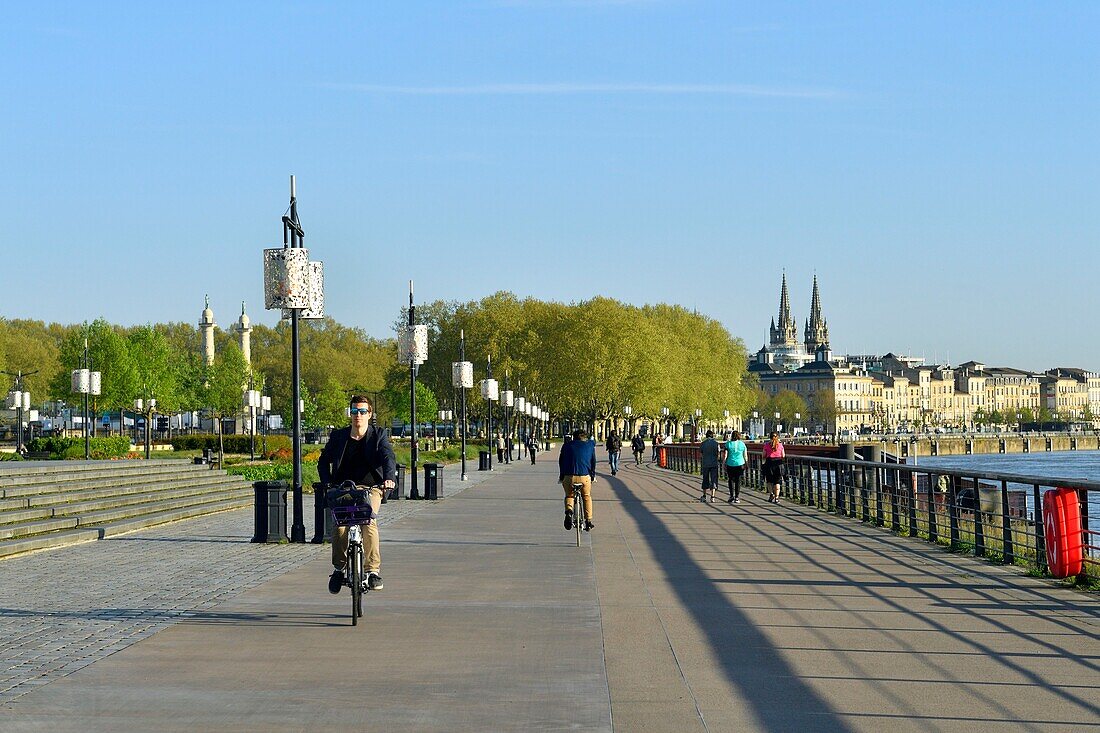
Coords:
740,658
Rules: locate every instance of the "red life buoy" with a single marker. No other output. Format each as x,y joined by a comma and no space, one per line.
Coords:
662,459
1062,529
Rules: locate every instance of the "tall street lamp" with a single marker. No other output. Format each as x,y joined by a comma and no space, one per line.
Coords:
145,409
412,346
695,425
627,412
777,424
296,286
490,391
507,399
664,419
253,400
20,401
462,378
86,382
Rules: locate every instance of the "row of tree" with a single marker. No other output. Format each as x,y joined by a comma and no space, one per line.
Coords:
584,360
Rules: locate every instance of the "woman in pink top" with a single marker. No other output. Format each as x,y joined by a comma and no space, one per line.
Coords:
773,467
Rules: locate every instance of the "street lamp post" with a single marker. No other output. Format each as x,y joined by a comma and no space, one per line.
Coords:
507,398
20,401
145,409
695,425
296,286
777,425
664,419
265,407
627,412
252,400
413,350
489,390
462,377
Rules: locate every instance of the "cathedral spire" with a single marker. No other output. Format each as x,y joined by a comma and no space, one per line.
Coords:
785,332
817,329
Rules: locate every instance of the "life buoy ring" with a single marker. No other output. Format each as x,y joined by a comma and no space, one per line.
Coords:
662,457
1062,530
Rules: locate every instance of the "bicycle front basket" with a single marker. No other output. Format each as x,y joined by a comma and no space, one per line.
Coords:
349,506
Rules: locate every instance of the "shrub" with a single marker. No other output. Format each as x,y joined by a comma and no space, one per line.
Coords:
232,443
275,472
73,448
10,457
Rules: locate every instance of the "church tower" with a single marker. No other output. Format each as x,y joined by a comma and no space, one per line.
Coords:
786,333
817,328
207,325
244,331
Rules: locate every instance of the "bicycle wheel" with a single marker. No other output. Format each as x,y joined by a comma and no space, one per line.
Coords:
578,511
355,574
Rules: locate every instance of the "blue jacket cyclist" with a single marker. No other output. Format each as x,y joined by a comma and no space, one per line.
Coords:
577,465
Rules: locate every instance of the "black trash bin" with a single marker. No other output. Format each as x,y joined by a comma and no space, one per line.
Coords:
483,460
322,519
433,480
270,511
398,491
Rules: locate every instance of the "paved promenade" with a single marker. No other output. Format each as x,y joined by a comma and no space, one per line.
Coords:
675,616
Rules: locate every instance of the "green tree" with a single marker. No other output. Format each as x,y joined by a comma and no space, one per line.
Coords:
786,403
822,407
396,396
156,368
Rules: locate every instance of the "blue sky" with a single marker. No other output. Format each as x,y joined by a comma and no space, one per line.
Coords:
935,164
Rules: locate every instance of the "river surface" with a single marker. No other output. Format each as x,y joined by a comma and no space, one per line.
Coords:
1053,465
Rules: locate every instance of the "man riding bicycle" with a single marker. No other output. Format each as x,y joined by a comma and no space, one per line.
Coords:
577,465
361,453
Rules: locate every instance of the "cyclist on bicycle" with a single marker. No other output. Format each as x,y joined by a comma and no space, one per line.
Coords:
577,465
361,453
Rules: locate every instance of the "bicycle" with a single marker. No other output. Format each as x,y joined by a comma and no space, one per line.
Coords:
350,508
579,513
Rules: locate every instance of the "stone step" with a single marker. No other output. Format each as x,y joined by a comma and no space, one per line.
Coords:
23,529
54,499
21,502
114,515
52,539
80,508
58,486
149,520
110,471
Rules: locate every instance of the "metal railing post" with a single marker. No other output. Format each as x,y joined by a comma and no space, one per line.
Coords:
1008,555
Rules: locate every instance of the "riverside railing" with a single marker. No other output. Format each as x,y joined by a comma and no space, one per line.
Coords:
998,516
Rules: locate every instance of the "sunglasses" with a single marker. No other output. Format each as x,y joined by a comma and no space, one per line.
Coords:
360,410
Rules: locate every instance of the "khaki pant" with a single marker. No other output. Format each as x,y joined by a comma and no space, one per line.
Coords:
586,493
373,559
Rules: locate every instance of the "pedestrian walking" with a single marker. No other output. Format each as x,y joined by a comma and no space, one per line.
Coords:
733,456
508,444
773,467
614,445
656,442
637,447
500,448
709,465
532,448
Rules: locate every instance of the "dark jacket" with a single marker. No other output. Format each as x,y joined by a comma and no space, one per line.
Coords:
637,444
577,458
614,443
379,455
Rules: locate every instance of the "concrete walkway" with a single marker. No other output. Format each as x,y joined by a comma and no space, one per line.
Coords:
674,616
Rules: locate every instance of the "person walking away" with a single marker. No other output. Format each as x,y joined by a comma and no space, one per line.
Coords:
532,448
508,449
773,467
500,448
637,447
656,442
733,456
577,465
614,447
709,465
361,453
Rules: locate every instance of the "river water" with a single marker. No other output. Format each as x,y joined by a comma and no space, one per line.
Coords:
1054,465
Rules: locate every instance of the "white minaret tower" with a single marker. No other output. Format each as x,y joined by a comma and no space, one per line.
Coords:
244,330
207,325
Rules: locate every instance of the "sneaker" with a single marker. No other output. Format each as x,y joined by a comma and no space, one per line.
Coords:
588,525
712,500
703,498
736,501
568,519
335,581
374,581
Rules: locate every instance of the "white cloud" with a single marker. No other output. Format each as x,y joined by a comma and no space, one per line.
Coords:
561,88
